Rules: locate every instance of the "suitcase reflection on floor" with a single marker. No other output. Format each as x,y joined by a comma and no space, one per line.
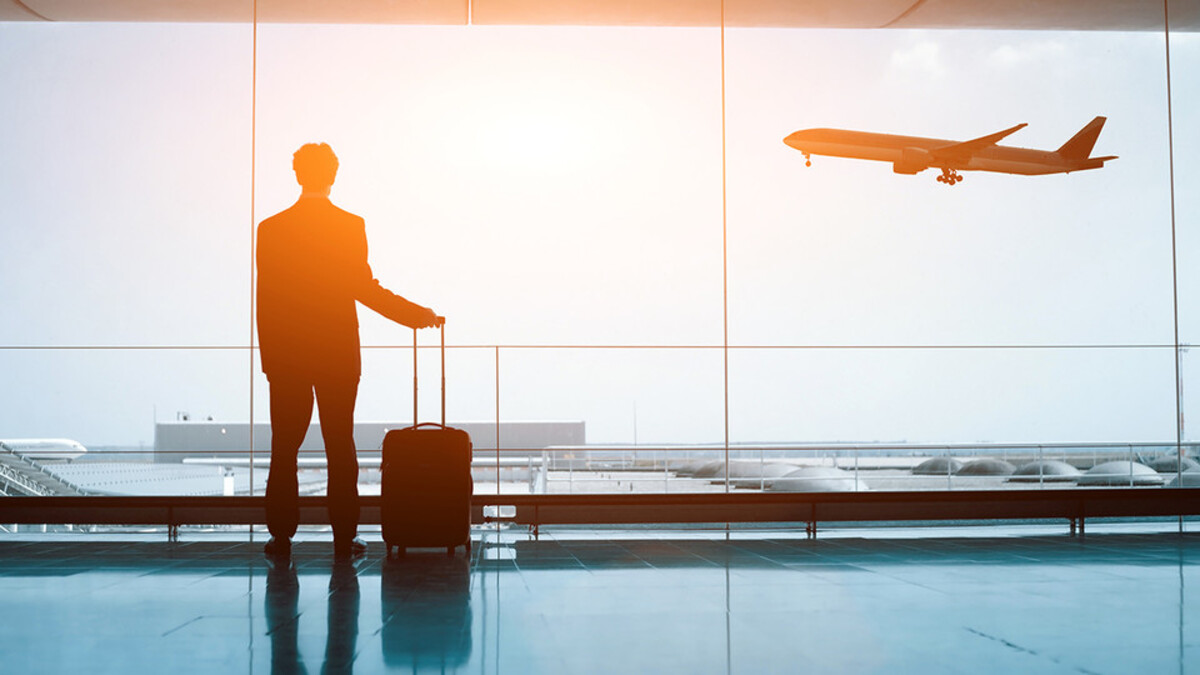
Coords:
426,606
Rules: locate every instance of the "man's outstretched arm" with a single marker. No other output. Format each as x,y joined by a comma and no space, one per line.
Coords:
371,293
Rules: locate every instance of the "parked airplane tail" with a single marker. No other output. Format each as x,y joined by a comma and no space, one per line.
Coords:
1081,144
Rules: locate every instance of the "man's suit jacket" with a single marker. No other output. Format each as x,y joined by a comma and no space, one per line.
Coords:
312,267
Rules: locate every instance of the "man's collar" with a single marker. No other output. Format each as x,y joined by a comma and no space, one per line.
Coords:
315,194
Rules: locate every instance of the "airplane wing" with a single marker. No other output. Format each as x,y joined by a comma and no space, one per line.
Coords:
963,151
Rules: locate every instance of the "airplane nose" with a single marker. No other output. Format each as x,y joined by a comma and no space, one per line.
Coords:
793,139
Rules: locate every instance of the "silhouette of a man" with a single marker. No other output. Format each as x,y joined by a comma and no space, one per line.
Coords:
312,268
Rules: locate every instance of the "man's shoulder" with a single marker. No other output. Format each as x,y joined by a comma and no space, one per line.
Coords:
281,218
345,216
323,211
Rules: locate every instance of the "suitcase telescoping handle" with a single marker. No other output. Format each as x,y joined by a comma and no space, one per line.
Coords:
442,334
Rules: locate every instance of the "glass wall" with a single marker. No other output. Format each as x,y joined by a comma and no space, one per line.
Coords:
633,264
126,242
941,323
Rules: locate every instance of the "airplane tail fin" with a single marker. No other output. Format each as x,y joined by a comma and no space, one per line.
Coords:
1081,144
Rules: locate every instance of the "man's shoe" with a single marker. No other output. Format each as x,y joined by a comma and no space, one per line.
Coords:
349,548
278,547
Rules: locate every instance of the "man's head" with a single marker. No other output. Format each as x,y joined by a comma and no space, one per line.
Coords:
315,165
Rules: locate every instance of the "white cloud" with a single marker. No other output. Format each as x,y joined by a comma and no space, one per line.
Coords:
1007,57
921,59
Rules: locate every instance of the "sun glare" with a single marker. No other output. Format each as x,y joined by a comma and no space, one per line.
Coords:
537,139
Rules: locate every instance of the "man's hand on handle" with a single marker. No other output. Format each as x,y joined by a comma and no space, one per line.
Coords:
431,319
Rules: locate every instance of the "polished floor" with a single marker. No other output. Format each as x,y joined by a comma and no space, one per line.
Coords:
971,600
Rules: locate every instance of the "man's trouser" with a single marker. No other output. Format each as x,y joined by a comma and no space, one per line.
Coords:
291,413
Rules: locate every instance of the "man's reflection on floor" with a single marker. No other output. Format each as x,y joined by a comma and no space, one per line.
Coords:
426,602
283,595
342,638
282,599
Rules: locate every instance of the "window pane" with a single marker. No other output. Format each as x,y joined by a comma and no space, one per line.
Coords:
125,184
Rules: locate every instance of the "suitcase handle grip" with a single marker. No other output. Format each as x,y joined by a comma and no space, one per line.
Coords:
442,334
425,425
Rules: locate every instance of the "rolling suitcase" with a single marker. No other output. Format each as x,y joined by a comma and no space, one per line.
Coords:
426,491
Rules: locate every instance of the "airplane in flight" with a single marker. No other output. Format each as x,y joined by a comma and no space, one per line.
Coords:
911,154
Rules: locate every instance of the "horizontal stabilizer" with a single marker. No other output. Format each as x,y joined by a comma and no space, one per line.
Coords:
1081,144
964,150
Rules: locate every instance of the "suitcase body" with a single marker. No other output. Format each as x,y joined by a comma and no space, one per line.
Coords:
427,486
425,496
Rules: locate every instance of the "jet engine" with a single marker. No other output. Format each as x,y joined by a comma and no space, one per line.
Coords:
912,160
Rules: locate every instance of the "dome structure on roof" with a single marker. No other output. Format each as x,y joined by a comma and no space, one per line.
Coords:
1189,478
710,469
1173,464
1045,470
743,468
689,467
817,479
759,474
1121,473
752,468
986,467
938,466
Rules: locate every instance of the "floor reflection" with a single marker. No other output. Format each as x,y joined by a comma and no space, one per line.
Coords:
343,619
982,599
283,619
426,612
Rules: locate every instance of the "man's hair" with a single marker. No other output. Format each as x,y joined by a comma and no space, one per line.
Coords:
315,165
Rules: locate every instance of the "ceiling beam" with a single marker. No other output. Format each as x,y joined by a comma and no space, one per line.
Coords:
1101,15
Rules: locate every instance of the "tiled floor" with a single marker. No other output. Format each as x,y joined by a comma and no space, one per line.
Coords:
995,600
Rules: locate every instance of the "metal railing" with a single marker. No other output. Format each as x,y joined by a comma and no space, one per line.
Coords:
637,468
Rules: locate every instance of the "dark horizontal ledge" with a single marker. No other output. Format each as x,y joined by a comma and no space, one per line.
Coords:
635,347
1051,503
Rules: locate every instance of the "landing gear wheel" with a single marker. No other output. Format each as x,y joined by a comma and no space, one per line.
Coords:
807,159
949,177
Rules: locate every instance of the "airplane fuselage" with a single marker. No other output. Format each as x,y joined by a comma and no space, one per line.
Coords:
912,154
44,448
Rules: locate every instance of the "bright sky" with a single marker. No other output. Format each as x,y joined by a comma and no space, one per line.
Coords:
562,186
